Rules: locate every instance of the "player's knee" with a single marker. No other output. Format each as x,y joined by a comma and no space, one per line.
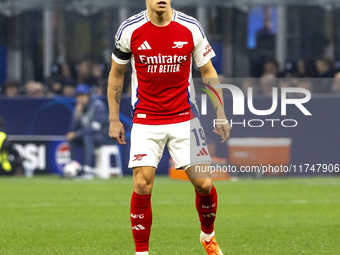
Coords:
204,187
142,187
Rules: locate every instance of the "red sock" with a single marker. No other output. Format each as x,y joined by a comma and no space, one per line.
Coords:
206,206
141,219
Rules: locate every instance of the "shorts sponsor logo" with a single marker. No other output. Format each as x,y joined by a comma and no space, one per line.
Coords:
139,157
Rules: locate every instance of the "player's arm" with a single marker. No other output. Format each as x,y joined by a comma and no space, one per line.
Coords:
210,77
114,94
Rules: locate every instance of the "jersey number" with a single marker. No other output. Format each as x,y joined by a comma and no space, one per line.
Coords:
200,137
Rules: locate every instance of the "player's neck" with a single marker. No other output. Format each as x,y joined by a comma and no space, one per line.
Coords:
160,19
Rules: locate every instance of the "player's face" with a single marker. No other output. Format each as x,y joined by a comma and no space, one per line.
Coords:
83,99
158,5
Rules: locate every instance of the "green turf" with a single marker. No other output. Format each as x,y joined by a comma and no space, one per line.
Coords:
47,215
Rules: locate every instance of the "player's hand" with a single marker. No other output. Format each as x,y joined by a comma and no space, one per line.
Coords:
79,109
223,130
117,131
70,136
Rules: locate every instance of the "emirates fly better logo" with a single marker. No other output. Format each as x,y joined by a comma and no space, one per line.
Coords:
288,97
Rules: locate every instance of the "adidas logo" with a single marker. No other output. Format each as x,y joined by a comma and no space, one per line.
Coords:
138,227
203,152
209,215
145,46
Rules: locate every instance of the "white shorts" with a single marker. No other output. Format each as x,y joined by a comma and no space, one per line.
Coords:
186,143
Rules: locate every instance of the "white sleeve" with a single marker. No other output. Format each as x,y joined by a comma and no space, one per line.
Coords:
122,51
202,52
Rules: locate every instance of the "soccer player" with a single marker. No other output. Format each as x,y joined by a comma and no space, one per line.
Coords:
161,43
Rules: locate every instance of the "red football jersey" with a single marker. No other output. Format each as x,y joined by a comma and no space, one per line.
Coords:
161,60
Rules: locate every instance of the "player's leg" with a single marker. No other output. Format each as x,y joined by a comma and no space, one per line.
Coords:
143,178
206,201
187,149
147,145
140,210
202,182
206,206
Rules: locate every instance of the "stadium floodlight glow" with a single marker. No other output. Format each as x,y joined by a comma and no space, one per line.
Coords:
9,8
84,7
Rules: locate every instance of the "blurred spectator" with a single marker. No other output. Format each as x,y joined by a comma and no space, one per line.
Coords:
336,83
301,69
306,68
325,71
265,39
12,88
285,83
10,160
267,82
97,72
272,67
306,84
68,80
34,89
89,128
324,68
55,85
84,72
61,79
69,88
55,69
249,83
67,71
101,89
290,69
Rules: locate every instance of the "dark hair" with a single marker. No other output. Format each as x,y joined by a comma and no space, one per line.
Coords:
1,123
272,61
12,83
329,62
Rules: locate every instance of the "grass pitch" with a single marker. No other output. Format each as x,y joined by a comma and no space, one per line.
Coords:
47,215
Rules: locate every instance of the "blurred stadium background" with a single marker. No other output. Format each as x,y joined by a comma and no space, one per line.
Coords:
47,47
37,34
